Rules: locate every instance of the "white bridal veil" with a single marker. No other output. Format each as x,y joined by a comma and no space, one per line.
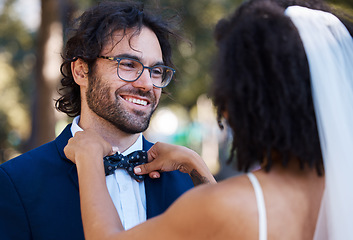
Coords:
329,49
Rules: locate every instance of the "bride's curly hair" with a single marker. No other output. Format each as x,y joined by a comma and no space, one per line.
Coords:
262,83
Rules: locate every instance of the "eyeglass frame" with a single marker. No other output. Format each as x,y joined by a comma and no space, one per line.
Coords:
118,59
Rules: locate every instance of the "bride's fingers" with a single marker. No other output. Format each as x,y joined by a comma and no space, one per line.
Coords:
146,168
154,174
113,151
143,169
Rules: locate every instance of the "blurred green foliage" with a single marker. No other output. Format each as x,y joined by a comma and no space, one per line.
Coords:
194,52
17,58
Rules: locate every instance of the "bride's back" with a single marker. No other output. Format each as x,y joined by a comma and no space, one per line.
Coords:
291,197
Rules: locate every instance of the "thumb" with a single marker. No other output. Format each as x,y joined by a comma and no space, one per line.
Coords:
142,169
146,168
113,150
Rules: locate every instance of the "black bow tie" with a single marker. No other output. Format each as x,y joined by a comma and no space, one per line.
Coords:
113,162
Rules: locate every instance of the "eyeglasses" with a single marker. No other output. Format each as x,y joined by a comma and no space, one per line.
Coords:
130,70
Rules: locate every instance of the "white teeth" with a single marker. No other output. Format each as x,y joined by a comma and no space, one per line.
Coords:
137,101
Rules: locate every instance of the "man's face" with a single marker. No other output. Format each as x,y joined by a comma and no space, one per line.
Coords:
126,105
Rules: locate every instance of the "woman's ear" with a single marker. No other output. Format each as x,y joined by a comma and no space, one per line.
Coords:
79,71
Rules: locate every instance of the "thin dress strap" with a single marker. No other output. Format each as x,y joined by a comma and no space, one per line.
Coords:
260,206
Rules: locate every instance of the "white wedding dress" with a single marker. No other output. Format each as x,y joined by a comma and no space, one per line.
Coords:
329,49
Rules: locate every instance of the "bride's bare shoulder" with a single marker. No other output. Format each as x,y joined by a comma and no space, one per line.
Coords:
237,188
227,208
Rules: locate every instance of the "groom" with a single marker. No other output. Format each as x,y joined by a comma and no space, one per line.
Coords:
116,63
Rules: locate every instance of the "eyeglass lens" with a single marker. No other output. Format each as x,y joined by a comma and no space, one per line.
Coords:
131,70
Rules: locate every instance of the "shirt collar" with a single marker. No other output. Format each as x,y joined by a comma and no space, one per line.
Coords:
134,147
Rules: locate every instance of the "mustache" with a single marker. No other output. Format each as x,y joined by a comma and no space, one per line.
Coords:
138,92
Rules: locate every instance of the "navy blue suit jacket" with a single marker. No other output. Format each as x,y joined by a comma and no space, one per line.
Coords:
39,197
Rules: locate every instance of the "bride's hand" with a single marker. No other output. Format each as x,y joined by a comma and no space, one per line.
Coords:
165,157
87,145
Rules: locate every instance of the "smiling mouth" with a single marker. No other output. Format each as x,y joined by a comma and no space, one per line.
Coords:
136,101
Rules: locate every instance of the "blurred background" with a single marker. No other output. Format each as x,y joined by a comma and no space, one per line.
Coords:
32,34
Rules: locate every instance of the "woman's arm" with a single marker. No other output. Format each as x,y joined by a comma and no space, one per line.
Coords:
99,216
87,150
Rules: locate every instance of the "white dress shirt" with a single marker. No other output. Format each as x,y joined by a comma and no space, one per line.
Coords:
127,194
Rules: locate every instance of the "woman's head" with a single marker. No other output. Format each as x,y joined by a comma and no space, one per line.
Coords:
262,82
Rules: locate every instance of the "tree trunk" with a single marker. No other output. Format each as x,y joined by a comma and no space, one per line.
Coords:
50,38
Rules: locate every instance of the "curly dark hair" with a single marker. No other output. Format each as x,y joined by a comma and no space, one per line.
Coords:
262,83
94,28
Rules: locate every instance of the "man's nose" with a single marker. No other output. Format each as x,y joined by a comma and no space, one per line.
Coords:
144,81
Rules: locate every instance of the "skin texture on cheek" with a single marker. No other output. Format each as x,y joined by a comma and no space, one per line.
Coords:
126,105
99,100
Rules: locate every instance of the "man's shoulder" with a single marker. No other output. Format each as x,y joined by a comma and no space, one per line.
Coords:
33,153
47,153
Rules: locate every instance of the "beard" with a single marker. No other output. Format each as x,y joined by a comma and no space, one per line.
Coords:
127,120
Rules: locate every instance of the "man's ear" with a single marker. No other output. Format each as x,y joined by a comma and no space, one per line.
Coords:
79,71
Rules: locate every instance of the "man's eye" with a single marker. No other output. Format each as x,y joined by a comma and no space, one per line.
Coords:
157,71
128,64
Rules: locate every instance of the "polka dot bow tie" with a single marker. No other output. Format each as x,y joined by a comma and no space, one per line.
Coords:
113,162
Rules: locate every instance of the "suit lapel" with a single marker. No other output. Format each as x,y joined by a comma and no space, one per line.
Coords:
153,189
61,142
154,197
73,175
